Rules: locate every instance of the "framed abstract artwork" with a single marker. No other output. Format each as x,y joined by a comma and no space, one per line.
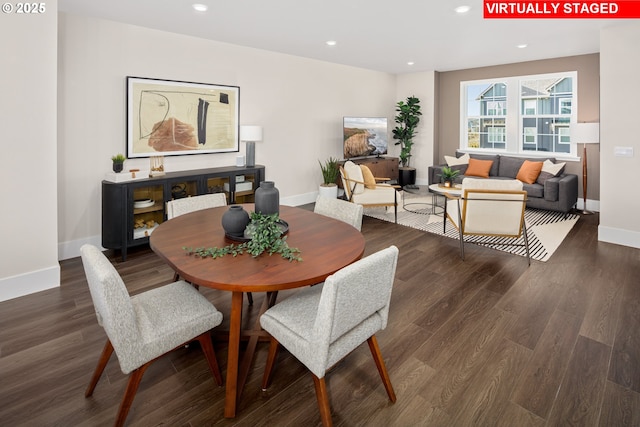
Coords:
168,118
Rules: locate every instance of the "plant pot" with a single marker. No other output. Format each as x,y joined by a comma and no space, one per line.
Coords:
328,190
406,176
117,167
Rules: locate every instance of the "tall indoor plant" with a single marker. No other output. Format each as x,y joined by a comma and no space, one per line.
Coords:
407,118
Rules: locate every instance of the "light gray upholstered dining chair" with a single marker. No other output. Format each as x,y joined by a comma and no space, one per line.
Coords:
322,324
490,207
146,326
185,205
342,210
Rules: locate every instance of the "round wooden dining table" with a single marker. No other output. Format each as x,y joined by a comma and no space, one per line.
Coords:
326,245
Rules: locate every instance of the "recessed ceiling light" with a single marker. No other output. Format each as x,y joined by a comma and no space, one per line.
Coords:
462,9
521,46
200,7
410,63
331,43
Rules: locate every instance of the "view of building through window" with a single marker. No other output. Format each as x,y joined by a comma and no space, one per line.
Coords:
529,114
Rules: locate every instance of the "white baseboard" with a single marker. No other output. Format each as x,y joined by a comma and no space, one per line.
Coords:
619,236
67,250
300,199
592,205
28,283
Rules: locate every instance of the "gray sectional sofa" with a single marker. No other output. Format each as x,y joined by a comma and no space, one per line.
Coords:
557,193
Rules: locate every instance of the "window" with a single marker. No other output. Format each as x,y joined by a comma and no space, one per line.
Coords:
526,115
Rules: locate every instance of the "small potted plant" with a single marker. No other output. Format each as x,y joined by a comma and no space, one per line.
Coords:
118,162
448,175
330,171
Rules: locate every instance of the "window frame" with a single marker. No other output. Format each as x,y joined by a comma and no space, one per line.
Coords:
515,114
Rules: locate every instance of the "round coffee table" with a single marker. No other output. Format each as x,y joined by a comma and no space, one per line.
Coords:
414,200
439,190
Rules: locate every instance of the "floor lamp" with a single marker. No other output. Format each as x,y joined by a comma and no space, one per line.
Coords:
250,135
585,133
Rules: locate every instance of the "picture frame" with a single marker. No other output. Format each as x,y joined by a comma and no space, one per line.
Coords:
171,117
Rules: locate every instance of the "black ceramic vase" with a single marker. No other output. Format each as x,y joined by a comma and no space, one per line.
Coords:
267,198
235,220
117,167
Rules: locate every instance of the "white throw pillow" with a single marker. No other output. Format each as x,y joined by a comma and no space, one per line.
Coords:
355,173
553,168
549,170
456,161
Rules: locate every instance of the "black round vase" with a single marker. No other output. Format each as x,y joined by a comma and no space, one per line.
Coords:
235,220
267,198
117,167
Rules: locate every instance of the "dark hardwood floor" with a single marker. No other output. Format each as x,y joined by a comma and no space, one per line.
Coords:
484,342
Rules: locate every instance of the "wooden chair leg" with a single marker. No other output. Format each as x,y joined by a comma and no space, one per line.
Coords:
210,355
130,393
382,368
271,361
107,351
323,401
460,232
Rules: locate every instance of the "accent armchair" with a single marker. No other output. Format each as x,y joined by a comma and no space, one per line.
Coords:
489,207
367,190
320,325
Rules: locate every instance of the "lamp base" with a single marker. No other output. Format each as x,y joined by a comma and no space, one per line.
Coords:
251,154
585,212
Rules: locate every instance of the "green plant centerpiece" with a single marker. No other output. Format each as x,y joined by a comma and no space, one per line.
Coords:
407,119
330,171
448,175
266,237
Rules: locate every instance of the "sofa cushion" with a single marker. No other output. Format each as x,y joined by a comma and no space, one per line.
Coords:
529,171
495,158
549,170
533,190
367,176
479,168
354,172
457,161
510,166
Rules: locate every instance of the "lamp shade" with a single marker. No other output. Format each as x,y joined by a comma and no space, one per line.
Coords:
251,133
585,133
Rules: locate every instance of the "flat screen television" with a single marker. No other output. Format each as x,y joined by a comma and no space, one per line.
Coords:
364,136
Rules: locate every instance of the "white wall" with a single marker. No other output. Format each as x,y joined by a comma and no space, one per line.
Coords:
422,86
619,201
28,218
299,102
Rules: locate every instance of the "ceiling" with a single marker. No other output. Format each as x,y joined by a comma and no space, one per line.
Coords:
382,35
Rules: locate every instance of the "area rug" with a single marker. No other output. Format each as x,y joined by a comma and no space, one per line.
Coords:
545,229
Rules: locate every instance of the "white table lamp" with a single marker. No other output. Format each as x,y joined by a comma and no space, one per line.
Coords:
251,135
585,133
